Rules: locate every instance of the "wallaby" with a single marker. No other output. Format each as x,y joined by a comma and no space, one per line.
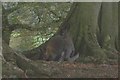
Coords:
60,48
55,48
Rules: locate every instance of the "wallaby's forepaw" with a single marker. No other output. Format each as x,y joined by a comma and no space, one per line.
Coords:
77,55
62,57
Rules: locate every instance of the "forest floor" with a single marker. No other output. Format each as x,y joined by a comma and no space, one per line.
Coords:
89,70
54,69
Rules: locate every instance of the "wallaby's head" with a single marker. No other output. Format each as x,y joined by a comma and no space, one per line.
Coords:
63,33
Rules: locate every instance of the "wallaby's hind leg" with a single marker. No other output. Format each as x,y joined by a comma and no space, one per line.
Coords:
72,59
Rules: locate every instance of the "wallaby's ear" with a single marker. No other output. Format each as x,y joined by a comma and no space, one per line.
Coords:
65,29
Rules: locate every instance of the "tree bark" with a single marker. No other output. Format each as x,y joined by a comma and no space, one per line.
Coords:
108,28
109,24
22,66
83,22
119,27
94,28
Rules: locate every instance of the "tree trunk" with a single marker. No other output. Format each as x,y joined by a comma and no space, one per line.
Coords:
83,23
108,28
109,25
93,27
119,27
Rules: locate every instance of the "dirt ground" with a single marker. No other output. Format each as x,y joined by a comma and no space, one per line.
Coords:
80,70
